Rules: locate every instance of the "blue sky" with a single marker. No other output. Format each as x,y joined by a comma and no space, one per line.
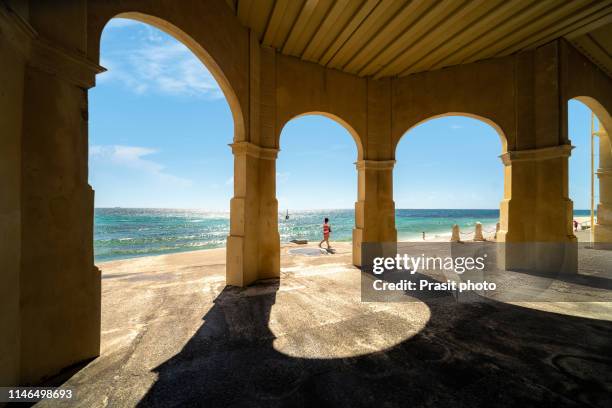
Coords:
160,126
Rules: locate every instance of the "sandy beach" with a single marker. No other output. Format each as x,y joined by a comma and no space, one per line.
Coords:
583,233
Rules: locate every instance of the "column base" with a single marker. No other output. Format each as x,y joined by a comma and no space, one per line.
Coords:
603,234
357,240
539,258
243,268
234,265
269,257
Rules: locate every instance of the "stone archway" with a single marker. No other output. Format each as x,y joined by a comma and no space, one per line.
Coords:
502,136
507,195
528,245
58,280
357,158
350,129
232,53
602,230
535,216
203,55
232,96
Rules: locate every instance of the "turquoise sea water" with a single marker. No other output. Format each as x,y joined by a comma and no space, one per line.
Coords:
121,233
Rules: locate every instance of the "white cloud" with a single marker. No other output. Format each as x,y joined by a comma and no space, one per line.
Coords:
456,126
120,23
133,157
229,181
282,177
152,62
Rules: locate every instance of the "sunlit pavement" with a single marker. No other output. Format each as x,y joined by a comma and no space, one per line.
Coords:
173,335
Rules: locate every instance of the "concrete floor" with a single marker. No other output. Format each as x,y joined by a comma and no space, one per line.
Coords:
173,335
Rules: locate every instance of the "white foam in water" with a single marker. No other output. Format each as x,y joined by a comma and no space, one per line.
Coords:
308,251
122,233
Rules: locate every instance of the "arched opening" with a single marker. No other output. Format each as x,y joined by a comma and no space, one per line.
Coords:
448,172
589,170
159,163
316,179
205,58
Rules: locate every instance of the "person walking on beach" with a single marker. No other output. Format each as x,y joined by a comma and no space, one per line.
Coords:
326,232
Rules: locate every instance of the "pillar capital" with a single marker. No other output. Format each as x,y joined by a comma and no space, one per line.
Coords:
46,56
251,149
70,65
601,133
601,173
253,246
544,153
375,164
17,31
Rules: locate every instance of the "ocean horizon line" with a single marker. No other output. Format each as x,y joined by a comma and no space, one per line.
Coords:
298,209
125,232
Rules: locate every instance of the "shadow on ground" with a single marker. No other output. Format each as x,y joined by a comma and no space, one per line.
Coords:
473,354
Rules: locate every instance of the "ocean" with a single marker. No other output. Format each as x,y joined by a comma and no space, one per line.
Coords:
121,233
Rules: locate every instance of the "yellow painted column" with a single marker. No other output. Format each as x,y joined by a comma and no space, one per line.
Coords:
603,227
59,284
536,213
268,238
375,208
253,246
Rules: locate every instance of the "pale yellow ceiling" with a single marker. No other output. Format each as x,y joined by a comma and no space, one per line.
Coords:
398,37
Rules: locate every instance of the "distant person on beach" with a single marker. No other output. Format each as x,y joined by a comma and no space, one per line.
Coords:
326,232
575,225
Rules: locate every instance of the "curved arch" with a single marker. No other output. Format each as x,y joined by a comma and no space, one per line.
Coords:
502,136
207,60
333,117
598,109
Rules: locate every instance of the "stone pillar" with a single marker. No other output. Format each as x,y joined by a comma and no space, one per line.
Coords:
50,294
455,234
478,232
536,213
603,227
375,208
15,38
253,246
59,284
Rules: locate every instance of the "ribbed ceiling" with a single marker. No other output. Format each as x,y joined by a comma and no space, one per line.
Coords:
597,45
398,37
